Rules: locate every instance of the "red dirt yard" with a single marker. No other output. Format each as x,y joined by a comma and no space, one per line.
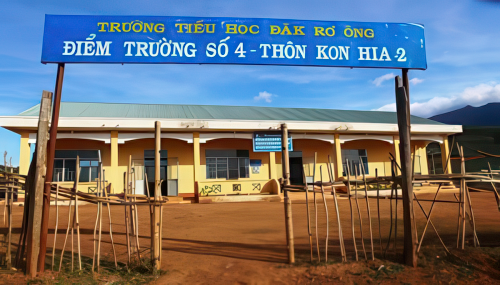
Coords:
244,243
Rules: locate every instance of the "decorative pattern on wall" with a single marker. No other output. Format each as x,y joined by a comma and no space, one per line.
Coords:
216,188
236,187
256,186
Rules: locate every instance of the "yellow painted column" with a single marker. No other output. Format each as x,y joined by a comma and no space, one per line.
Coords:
395,140
24,154
445,152
337,153
423,160
272,166
196,156
115,180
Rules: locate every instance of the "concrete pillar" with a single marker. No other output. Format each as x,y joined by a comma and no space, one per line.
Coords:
196,157
395,140
272,166
115,179
445,151
423,160
337,153
24,154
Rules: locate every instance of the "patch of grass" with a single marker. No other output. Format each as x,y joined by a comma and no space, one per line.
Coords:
138,273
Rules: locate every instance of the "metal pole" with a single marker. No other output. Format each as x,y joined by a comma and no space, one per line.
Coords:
50,166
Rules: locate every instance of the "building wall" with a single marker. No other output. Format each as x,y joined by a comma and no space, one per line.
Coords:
248,185
105,149
377,152
181,150
322,149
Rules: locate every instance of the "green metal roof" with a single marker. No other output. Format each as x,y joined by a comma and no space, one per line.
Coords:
213,112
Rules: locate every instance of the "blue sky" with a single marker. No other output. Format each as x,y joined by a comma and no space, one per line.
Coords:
462,41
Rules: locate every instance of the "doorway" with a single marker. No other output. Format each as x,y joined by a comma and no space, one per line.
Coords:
296,168
149,167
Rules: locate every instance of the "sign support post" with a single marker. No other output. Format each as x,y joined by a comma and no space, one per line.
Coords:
51,150
410,234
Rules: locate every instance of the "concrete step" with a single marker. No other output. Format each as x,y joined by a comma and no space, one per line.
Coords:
240,198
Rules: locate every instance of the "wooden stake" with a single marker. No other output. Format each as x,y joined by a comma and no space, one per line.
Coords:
350,208
326,212
334,193
155,243
67,233
127,228
368,208
435,230
110,225
289,228
315,207
359,214
8,200
428,218
96,219
378,211
36,196
23,237
472,219
55,227
308,214
393,188
135,220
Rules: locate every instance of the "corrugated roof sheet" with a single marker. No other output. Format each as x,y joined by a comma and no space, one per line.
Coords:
213,112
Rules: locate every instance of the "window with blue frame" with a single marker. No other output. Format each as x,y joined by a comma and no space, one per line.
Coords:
227,164
65,165
355,157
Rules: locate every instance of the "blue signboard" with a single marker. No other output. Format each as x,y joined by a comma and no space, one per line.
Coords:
199,40
269,142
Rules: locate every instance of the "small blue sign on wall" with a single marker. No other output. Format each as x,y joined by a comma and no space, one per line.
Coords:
202,40
269,142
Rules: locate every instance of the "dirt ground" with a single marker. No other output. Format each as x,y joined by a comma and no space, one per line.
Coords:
244,243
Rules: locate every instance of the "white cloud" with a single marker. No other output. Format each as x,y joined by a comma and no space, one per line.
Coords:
416,81
379,80
266,96
475,96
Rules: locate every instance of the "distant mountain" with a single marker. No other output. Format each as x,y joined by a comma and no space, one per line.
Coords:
487,115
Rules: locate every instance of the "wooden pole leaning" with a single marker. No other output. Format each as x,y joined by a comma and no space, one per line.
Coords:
127,222
341,235
67,232
56,225
326,213
287,202
77,218
51,149
135,217
110,223
368,208
378,212
403,114
359,212
307,211
316,207
37,188
350,208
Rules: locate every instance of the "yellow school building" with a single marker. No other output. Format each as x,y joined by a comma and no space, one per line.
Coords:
212,147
